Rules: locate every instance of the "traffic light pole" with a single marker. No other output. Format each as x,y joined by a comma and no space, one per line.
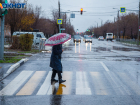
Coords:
138,24
59,16
118,26
2,39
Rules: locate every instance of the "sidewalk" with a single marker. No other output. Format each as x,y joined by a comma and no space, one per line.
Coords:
127,44
7,68
4,68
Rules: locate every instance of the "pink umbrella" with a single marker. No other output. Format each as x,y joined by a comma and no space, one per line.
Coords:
56,39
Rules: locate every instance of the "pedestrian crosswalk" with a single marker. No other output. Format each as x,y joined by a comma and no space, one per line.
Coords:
78,83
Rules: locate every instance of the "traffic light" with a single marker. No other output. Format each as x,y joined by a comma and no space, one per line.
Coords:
3,11
81,11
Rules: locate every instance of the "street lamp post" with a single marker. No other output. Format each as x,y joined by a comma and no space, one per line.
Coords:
97,24
118,24
101,21
138,25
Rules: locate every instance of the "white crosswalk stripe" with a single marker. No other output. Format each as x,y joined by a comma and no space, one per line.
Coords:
16,83
101,83
45,86
82,87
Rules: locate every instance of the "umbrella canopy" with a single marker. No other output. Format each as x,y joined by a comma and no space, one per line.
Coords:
56,39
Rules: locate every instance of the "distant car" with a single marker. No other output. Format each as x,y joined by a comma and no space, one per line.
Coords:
109,36
101,38
77,38
85,37
88,39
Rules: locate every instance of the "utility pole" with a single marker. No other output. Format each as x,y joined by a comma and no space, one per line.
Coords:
59,15
2,39
65,22
138,25
118,26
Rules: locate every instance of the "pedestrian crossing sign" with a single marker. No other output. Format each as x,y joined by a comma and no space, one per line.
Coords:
122,10
59,21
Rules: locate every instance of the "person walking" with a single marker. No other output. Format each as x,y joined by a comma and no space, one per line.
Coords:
55,63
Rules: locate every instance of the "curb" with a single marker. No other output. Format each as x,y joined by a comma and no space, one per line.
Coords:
133,45
14,67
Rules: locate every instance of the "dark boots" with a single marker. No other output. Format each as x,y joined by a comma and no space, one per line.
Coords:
61,81
59,76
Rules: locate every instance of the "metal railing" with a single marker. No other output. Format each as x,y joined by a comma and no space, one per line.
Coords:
42,44
130,42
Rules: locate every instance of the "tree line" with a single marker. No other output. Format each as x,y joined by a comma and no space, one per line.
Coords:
30,18
127,25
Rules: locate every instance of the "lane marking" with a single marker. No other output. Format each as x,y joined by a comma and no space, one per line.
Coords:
31,85
100,88
104,66
132,84
16,83
112,77
82,87
45,86
65,88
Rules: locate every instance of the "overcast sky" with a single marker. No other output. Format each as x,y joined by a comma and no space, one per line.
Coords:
95,9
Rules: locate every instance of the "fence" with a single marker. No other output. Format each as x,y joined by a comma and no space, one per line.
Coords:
131,42
40,46
7,40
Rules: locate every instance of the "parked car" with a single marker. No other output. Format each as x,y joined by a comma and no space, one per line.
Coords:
77,38
88,39
37,35
109,36
101,38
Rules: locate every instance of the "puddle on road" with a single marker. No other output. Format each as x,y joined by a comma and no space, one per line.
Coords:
137,59
67,49
96,49
124,49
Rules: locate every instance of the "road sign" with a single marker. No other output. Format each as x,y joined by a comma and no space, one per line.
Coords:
122,9
59,21
62,28
72,15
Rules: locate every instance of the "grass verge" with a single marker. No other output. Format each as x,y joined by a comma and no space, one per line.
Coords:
32,51
10,60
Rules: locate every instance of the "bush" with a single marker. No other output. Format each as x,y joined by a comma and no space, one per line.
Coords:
26,41
15,43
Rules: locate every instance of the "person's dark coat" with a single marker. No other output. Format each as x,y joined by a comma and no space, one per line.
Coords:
55,61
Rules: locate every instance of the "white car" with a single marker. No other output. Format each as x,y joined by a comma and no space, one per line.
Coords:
88,39
109,36
37,35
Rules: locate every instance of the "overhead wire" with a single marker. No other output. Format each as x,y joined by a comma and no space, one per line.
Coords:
99,7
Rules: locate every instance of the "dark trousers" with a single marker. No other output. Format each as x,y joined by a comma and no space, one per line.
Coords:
54,73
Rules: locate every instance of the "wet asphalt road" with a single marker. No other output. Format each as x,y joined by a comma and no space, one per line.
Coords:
98,73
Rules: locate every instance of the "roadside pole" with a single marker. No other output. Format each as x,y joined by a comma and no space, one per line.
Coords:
2,39
59,16
138,25
118,35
